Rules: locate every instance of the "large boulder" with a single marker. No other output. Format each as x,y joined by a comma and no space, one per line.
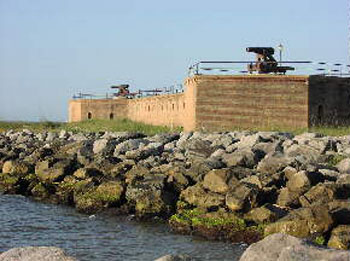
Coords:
340,211
241,197
340,237
54,170
299,182
148,197
244,157
287,198
344,166
303,222
197,196
17,167
281,247
217,180
105,195
274,162
261,215
35,254
197,147
320,194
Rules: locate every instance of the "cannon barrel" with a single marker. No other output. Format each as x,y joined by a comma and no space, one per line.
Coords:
261,50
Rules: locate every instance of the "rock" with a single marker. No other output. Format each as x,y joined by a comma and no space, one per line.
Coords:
175,258
136,173
329,174
287,198
198,148
268,147
51,136
177,179
243,157
299,182
197,196
148,197
344,166
99,145
222,140
241,172
164,138
340,237
305,152
152,149
303,222
182,141
121,168
199,168
17,167
281,247
261,215
252,181
340,211
105,195
35,254
320,194
129,145
289,172
217,180
273,163
241,198
218,153
49,171
84,173
249,141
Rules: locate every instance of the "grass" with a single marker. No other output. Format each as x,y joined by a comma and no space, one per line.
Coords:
117,125
196,217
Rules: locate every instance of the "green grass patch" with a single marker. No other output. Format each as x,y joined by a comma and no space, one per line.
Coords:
196,217
117,125
320,240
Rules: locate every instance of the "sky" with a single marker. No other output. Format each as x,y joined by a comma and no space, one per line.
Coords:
53,49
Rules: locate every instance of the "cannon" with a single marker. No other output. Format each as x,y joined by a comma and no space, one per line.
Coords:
265,62
123,90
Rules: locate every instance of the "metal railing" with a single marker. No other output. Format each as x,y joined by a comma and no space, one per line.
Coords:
301,67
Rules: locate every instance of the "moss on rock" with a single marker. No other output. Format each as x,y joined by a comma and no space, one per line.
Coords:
105,195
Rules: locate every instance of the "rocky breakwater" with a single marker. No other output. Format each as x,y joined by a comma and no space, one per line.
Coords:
236,186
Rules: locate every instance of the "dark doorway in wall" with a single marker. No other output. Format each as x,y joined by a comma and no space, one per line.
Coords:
320,114
89,115
111,116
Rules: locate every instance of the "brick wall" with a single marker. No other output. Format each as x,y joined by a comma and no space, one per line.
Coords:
253,101
226,102
329,100
82,109
170,110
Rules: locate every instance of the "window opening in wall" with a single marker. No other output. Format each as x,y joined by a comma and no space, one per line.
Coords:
162,107
173,106
183,105
111,116
89,115
149,108
320,113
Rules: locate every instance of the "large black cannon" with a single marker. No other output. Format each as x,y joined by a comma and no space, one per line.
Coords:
265,62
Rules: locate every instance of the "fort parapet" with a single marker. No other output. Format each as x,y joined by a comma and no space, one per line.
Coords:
225,102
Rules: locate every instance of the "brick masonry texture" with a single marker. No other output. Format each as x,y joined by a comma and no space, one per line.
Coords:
219,103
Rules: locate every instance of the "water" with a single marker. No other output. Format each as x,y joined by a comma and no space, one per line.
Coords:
24,222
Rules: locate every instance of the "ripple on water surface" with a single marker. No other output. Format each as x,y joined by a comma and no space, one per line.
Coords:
25,222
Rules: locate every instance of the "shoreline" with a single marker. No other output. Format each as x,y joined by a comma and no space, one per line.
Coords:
234,186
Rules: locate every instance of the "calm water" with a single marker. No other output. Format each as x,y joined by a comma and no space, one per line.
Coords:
24,222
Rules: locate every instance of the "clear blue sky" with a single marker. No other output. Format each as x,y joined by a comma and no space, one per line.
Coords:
51,49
